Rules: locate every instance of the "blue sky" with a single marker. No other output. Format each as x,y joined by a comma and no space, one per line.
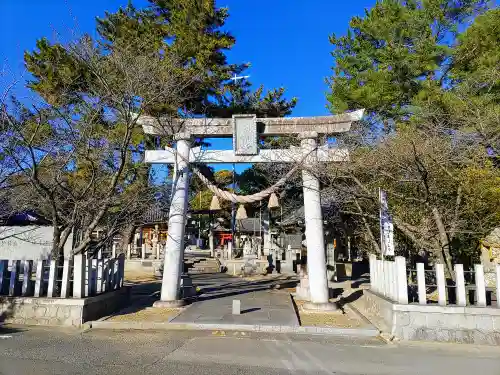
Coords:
286,41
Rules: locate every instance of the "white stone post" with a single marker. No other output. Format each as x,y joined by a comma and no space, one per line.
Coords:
422,291
402,281
88,277
129,251
460,285
376,279
380,278
100,276
382,275
121,269
497,284
14,276
236,307
373,272
52,279
65,278
157,249
313,218
28,266
211,242
143,251
4,266
441,284
266,232
78,276
113,250
115,276
110,275
229,254
93,276
480,285
105,272
394,282
384,288
39,285
391,280
385,277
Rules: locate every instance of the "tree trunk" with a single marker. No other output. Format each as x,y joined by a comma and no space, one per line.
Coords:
444,253
369,231
57,252
127,236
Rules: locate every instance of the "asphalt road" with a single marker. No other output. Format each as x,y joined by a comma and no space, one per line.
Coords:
55,351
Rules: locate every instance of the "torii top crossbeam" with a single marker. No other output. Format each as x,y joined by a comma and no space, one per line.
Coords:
224,127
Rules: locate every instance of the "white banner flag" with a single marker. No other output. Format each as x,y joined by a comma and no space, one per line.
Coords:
386,226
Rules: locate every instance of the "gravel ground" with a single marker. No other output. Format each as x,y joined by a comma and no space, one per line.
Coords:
335,319
150,314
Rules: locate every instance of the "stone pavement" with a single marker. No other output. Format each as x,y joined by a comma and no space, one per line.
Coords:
260,305
273,308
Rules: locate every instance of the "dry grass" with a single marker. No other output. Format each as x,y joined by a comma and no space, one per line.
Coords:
150,314
335,319
139,277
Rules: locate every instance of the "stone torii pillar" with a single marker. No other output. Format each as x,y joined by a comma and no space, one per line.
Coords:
313,218
245,130
174,252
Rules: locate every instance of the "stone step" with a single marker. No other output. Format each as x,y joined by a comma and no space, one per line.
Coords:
202,265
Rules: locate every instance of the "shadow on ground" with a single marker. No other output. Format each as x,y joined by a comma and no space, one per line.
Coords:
7,311
213,286
210,286
350,298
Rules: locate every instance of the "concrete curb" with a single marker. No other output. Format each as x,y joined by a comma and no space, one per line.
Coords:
388,339
356,312
181,310
360,332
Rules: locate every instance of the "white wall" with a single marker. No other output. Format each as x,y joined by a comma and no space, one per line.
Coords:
28,242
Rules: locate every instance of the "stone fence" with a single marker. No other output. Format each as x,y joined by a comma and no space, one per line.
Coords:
420,304
42,292
393,280
79,277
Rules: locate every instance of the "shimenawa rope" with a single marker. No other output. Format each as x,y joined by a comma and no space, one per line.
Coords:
228,196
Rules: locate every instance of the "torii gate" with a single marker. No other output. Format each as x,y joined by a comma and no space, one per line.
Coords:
245,131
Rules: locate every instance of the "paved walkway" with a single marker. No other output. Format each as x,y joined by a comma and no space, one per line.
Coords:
260,305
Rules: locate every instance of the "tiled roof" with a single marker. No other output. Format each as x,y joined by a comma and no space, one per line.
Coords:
155,214
251,224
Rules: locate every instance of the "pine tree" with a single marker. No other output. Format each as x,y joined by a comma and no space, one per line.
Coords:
191,30
393,54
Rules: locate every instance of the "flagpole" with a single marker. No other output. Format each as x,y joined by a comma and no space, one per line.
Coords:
233,212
